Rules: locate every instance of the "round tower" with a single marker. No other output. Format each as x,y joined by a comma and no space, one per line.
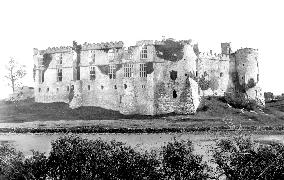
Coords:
248,74
247,66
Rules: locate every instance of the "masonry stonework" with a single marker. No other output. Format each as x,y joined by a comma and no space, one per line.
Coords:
149,78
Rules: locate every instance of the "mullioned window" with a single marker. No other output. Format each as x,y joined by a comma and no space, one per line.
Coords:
144,53
128,70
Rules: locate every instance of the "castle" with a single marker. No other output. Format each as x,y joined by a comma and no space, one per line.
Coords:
152,77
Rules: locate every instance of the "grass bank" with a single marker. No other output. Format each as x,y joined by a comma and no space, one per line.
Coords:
213,115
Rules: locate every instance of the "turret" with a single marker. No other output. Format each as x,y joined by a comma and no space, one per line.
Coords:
247,65
226,48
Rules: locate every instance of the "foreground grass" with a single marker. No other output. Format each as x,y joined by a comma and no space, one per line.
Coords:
213,115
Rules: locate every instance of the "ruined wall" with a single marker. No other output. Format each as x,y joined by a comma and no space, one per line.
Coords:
176,89
247,65
213,73
52,90
176,75
129,95
248,73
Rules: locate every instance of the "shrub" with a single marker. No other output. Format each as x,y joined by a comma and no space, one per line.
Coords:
178,161
239,101
76,158
36,166
13,165
241,158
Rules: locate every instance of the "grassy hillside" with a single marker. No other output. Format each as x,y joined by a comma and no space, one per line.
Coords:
213,113
28,110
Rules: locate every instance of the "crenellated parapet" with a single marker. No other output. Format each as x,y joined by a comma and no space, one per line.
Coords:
214,56
85,46
247,50
144,42
97,46
60,49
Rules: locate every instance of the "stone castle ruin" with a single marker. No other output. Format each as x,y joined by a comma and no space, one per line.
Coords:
149,78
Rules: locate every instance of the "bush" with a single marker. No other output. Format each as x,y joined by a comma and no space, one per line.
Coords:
76,158
241,158
73,157
13,165
241,102
178,162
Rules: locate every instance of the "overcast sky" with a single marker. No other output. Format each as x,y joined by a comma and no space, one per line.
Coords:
39,24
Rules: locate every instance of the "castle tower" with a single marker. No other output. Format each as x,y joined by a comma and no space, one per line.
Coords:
247,65
248,73
226,48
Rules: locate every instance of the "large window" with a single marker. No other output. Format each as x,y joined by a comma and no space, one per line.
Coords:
142,71
111,72
144,53
92,73
59,75
128,70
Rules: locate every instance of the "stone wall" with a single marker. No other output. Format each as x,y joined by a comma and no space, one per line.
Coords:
173,83
175,89
214,68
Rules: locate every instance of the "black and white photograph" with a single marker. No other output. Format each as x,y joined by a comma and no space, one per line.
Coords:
141,90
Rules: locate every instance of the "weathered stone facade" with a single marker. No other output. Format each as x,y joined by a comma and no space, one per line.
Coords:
148,78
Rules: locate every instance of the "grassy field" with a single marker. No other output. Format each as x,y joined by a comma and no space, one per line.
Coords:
215,114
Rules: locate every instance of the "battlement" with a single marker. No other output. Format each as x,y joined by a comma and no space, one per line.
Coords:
184,42
106,45
214,56
144,42
247,50
85,46
60,49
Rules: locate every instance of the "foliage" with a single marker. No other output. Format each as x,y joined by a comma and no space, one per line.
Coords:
170,50
241,158
178,161
13,165
149,67
203,83
250,83
185,91
46,60
239,100
73,157
104,69
15,72
76,158
36,166
242,87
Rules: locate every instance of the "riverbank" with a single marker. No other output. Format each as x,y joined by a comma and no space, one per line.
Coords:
214,115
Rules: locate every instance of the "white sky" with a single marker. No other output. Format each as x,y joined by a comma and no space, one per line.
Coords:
40,24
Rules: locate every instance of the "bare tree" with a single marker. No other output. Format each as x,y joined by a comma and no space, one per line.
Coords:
15,72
